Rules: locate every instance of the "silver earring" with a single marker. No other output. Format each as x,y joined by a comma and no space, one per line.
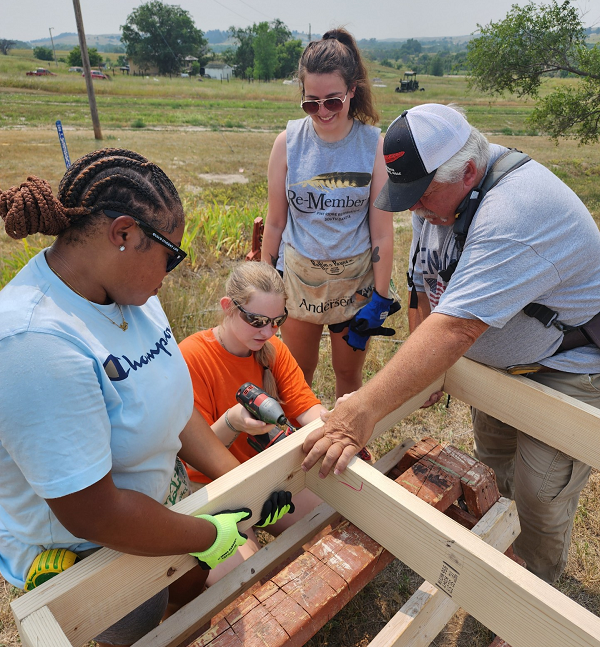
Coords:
122,248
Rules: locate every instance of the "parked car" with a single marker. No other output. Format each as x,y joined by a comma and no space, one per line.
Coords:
76,69
96,74
41,71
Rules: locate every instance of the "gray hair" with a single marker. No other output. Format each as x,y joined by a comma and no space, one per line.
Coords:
476,148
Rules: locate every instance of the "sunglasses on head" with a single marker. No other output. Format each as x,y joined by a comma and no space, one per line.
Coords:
260,321
335,104
177,254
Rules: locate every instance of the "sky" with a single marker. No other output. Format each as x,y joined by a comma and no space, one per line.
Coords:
31,19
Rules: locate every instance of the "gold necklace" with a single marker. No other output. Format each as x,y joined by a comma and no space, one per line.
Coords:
123,326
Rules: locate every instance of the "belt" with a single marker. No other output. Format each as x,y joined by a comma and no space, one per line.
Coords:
522,369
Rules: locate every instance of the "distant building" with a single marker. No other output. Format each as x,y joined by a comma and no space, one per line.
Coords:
221,71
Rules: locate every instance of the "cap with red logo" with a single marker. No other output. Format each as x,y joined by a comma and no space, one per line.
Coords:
416,144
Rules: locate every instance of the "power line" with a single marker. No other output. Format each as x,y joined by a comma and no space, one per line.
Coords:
232,11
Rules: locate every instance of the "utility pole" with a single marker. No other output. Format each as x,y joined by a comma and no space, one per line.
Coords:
52,41
85,60
309,36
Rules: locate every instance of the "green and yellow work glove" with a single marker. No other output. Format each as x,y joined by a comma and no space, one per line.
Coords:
229,538
278,504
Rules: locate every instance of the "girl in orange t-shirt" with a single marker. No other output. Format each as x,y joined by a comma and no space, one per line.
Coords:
242,349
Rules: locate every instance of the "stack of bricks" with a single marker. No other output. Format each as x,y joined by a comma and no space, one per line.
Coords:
295,603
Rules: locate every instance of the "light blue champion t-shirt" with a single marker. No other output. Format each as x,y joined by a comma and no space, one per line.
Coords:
532,240
79,397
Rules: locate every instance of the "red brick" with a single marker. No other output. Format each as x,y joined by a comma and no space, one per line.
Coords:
498,642
290,615
273,600
208,636
431,483
515,558
461,516
245,625
236,603
480,489
315,595
266,591
441,489
416,453
266,631
293,574
454,461
241,609
226,639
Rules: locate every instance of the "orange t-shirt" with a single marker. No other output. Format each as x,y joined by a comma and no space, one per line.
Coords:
217,375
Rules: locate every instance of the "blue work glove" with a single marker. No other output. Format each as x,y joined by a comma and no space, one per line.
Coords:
229,538
373,314
359,329
277,505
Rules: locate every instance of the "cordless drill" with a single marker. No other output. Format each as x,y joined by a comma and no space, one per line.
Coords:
264,407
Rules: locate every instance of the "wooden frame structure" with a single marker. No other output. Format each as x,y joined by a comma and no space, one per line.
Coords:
465,571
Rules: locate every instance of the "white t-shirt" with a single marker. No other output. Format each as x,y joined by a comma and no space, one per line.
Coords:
532,240
79,398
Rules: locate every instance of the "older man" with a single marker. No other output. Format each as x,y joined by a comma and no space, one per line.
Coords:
531,241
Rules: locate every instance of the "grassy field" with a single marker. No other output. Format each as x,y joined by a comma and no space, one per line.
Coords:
214,139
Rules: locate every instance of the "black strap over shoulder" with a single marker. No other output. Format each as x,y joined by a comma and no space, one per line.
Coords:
509,161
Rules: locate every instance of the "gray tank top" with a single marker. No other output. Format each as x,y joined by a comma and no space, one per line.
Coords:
328,187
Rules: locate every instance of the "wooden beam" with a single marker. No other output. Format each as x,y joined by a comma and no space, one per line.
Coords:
552,417
503,596
41,629
101,589
429,610
174,630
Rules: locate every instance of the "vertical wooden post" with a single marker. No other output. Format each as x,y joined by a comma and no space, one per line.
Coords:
85,60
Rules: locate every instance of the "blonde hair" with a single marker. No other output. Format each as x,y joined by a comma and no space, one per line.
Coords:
245,280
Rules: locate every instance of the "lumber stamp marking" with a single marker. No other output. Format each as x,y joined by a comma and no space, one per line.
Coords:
428,610
520,607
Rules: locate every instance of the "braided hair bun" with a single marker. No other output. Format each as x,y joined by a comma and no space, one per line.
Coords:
31,208
109,178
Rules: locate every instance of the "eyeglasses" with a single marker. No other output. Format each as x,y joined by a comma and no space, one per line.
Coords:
177,253
260,321
335,104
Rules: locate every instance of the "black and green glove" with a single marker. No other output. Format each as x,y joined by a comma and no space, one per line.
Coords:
229,538
277,505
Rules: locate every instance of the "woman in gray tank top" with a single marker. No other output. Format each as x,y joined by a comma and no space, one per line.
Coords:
322,230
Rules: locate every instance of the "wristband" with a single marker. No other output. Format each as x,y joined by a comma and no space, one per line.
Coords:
235,431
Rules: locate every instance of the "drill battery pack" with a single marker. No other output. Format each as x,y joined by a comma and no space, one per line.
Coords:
48,564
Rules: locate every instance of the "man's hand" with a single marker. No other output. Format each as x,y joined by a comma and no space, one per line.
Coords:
347,430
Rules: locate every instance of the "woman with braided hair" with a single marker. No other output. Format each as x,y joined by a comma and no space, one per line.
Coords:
96,401
333,247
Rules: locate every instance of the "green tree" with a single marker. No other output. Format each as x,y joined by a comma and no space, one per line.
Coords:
436,66
288,55
265,52
74,57
243,57
6,45
514,55
162,35
43,53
